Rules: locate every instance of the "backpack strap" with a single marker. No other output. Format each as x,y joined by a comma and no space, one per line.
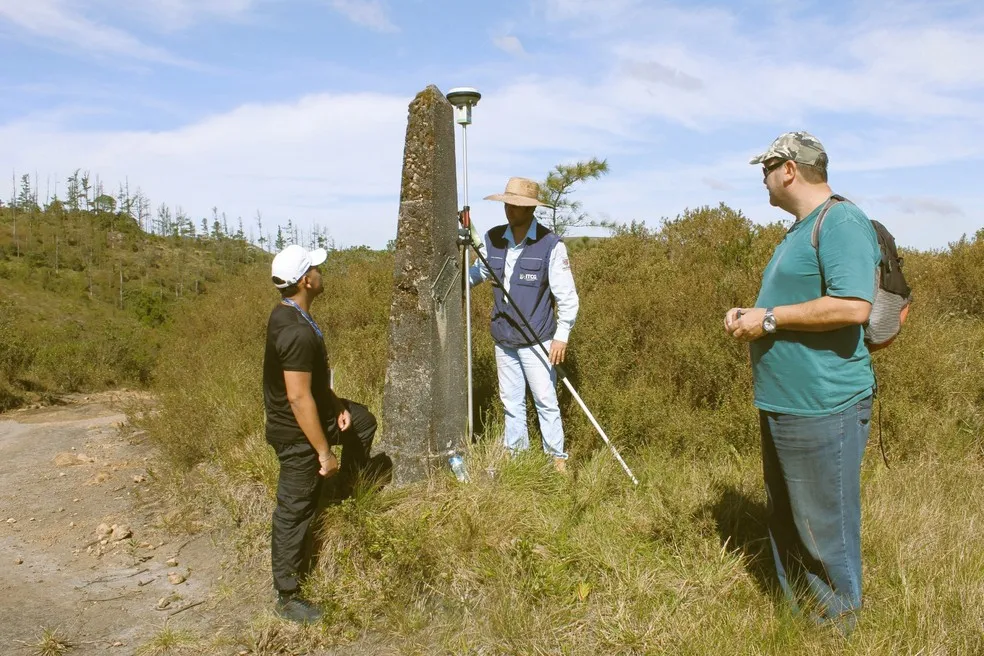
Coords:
833,200
815,237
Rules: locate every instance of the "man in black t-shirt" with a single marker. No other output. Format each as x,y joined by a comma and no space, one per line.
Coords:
304,419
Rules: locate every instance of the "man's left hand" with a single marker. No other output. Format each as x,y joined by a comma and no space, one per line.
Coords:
344,421
748,326
558,350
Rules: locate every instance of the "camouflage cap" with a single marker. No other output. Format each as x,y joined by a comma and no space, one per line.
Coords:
801,147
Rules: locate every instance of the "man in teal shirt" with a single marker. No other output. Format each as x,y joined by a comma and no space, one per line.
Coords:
813,379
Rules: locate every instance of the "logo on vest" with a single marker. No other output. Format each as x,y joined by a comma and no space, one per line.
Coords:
528,277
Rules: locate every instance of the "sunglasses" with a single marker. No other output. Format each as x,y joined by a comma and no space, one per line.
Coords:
767,169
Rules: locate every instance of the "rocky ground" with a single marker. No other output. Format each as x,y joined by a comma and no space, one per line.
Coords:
87,557
93,560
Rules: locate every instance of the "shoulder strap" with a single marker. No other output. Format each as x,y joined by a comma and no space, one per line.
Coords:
833,200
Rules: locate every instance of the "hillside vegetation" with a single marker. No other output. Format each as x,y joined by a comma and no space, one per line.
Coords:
83,288
524,561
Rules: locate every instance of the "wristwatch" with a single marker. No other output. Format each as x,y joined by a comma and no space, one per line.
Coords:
769,321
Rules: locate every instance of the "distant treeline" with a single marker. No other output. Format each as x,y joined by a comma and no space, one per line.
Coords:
85,193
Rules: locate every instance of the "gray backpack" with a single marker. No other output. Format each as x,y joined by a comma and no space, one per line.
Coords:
892,293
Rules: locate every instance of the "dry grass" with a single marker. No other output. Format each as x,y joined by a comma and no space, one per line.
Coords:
51,643
530,562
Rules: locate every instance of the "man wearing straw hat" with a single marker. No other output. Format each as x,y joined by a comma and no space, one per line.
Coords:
533,266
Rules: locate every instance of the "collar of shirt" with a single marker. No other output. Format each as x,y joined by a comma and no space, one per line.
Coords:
512,240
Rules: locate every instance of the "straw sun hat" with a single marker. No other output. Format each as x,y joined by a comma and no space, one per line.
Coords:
520,191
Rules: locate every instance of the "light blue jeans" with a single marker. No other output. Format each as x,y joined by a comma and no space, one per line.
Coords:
812,468
517,368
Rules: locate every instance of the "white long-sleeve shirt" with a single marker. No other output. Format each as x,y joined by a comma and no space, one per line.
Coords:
559,276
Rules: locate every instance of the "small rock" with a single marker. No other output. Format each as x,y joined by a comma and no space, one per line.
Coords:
32,519
104,542
145,545
11,521
176,578
67,459
103,530
61,510
18,561
120,532
84,458
139,479
172,562
163,603
61,473
75,500
117,644
71,525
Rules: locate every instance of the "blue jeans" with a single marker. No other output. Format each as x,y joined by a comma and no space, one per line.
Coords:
812,468
529,366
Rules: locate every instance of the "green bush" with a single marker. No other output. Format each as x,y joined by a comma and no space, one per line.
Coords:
529,562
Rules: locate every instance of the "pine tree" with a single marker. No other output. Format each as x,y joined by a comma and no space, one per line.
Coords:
74,192
27,199
564,213
164,220
262,241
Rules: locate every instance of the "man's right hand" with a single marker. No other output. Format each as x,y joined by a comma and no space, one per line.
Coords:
329,464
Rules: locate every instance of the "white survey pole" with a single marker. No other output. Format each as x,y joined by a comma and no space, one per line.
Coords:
463,99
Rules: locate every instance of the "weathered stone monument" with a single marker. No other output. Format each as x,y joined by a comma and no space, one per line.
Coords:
424,400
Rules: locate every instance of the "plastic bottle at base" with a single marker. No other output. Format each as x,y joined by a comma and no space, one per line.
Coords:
458,467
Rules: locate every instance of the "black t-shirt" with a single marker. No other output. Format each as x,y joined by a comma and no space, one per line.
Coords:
292,345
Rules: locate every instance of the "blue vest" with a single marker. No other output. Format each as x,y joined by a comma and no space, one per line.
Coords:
529,288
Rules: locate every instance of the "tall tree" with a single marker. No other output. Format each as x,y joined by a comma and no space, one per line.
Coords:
164,220
85,187
262,241
565,213
27,199
104,203
74,191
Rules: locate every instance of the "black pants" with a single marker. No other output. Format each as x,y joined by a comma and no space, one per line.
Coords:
299,490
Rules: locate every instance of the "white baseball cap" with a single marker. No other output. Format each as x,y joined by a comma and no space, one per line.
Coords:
292,263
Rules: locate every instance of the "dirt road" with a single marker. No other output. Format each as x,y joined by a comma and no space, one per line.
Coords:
84,557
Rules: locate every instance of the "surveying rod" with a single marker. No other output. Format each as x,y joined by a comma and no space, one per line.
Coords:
561,370
463,99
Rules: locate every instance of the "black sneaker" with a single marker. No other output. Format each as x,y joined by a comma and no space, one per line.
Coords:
297,609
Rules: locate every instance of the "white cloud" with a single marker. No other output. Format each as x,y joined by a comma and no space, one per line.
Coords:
588,9
328,159
178,14
510,45
54,19
923,205
676,99
367,13
336,160
708,67
717,185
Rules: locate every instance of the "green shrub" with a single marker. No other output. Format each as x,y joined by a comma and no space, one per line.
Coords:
526,561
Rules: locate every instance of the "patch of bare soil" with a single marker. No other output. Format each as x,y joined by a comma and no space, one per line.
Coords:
83,552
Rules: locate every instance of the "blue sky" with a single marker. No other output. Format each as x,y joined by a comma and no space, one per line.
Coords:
297,108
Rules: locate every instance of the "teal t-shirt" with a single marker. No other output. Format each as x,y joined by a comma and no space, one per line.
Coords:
807,373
